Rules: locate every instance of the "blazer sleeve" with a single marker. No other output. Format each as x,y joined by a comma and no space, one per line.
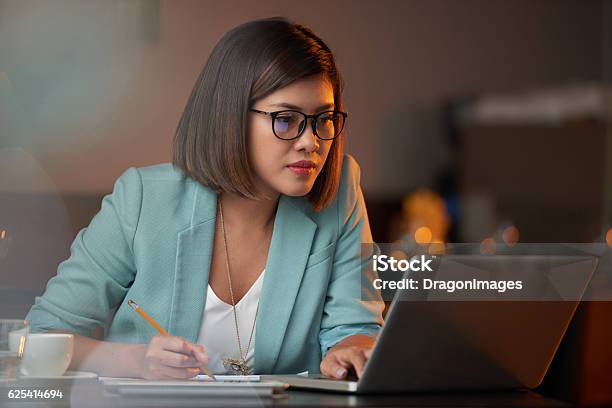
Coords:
100,269
349,307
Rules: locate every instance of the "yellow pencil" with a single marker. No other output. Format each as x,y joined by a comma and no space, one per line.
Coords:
161,330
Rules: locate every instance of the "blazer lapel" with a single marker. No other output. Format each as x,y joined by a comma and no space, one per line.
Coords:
193,259
292,238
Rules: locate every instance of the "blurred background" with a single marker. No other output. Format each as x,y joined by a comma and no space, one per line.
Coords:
473,121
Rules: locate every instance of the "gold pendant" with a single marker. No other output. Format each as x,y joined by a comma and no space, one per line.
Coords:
236,367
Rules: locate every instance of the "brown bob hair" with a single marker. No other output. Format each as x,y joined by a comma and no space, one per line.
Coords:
250,62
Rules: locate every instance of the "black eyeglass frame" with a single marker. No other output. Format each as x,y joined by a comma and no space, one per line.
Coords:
313,123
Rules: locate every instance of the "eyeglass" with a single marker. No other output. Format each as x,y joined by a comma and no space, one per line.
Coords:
290,124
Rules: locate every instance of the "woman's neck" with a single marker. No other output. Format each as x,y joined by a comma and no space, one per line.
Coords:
246,213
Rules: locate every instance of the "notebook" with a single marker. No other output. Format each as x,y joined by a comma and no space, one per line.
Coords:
232,386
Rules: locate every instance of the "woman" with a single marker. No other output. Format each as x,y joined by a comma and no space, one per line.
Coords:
245,248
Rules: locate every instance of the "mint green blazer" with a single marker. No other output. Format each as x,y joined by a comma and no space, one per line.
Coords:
152,240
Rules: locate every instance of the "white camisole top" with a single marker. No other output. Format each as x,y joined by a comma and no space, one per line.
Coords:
218,329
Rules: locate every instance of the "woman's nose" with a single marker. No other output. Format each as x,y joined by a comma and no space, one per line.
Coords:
308,140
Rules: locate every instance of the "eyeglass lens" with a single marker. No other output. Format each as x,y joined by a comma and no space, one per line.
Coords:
288,125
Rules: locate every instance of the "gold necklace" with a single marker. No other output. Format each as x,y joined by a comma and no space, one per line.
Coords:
235,366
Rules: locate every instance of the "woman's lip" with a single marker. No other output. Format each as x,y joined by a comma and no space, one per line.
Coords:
303,163
301,170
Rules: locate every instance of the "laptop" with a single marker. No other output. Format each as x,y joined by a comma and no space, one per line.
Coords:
472,344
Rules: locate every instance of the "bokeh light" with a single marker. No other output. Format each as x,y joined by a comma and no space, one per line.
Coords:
487,246
609,237
398,254
510,235
422,235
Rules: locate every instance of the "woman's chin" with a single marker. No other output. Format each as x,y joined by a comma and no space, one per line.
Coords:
297,189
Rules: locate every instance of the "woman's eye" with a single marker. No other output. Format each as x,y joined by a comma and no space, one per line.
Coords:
326,120
284,119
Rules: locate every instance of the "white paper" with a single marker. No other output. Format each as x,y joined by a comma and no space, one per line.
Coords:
228,378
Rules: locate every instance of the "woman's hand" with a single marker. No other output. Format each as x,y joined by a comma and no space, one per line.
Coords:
172,357
351,353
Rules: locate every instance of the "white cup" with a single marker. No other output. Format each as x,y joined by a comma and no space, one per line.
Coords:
46,354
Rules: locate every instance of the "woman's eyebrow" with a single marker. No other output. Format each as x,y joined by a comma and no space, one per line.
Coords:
291,106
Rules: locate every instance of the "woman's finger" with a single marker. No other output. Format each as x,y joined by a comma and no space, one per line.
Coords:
176,344
156,370
331,367
172,359
354,357
178,373
199,352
